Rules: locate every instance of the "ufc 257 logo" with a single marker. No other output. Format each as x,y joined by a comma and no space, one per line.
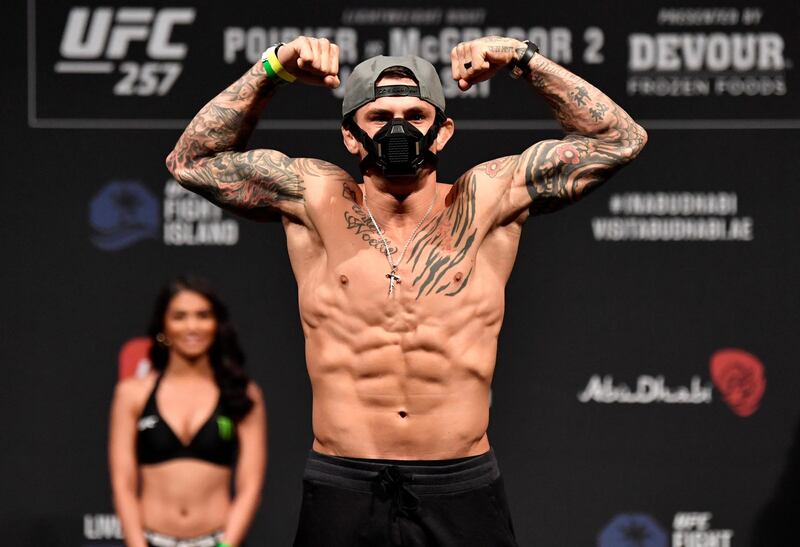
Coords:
97,40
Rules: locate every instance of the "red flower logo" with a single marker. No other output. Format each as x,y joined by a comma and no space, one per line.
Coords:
568,154
739,375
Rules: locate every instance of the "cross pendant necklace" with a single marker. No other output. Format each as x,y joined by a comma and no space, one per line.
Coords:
392,275
393,278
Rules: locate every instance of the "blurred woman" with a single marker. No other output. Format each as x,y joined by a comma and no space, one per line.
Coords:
181,436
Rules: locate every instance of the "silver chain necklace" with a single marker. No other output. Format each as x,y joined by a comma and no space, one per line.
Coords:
392,275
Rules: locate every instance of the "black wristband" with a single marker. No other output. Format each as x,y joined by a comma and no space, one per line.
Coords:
522,67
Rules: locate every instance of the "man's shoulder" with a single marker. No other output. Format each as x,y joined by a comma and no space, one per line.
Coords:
321,169
326,188
498,169
323,178
489,178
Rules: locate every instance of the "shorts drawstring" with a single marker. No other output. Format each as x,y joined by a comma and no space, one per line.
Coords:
392,484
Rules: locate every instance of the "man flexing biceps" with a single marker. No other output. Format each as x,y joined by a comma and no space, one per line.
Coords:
401,277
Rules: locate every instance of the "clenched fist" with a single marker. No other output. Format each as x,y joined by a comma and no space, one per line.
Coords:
313,61
479,60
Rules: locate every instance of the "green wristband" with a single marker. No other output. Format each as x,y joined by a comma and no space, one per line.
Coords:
224,545
273,68
272,76
276,80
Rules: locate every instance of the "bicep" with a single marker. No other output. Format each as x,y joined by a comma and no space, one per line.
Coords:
552,174
257,184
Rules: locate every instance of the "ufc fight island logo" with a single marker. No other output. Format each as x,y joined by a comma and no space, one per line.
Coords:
102,40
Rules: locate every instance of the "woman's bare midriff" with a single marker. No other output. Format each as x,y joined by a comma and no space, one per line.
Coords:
184,497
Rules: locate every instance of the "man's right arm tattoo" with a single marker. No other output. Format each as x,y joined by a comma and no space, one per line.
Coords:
209,157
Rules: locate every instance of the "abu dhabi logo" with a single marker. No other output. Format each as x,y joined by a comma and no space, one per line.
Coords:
632,530
649,389
122,213
739,376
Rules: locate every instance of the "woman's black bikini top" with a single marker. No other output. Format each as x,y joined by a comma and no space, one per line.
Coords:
216,441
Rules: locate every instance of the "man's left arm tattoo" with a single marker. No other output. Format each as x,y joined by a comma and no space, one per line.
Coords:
601,138
559,172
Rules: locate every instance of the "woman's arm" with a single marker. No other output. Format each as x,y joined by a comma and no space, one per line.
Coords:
250,469
122,462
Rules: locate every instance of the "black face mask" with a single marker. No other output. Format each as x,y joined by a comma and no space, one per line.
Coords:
398,149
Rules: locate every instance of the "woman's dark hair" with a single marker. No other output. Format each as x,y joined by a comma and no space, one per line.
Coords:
227,358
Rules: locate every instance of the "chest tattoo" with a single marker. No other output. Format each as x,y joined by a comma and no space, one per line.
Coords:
359,222
443,244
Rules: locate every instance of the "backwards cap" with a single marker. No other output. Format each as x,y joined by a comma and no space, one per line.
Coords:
360,85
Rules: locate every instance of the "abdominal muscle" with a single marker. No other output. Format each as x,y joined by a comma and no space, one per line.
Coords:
389,418
399,377
184,497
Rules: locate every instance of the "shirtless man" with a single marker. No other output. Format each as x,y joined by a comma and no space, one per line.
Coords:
401,277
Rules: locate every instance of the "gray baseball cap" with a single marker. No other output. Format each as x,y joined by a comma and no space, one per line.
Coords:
360,85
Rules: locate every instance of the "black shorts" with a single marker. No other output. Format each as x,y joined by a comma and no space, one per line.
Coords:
353,502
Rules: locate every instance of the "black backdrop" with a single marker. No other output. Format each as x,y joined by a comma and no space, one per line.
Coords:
610,427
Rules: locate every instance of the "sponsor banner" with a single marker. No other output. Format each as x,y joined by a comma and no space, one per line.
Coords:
673,216
713,52
102,529
689,529
134,358
124,212
649,389
632,529
191,220
737,374
694,529
152,66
